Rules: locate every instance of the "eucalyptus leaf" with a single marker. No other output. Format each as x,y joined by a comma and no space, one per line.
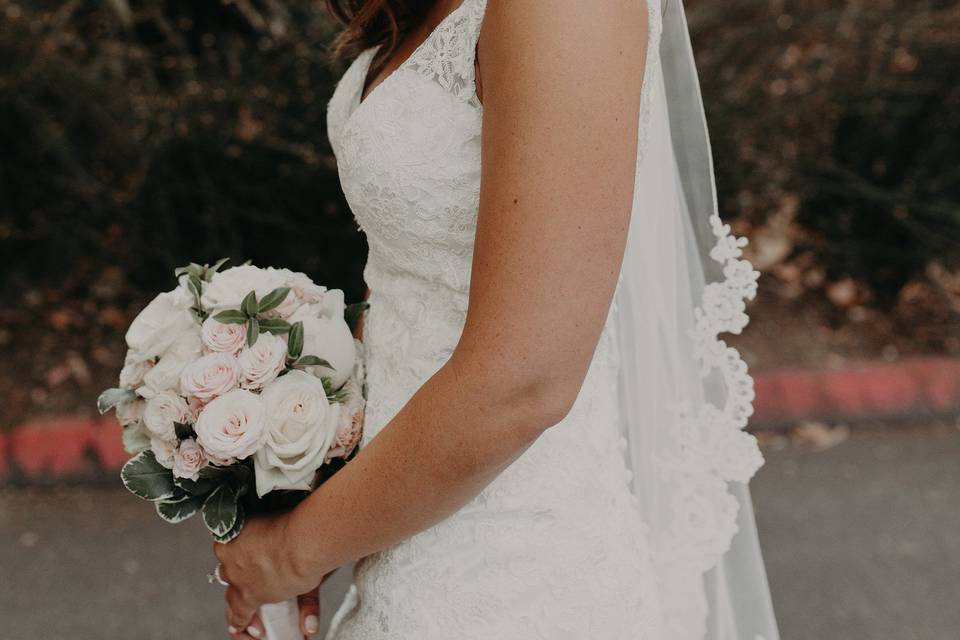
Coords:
220,510
112,397
146,478
353,312
231,316
310,361
295,340
177,511
276,326
208,274
253,331
273,299
249,305
237,527
192,269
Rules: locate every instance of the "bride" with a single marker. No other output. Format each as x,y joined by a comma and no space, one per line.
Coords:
554,443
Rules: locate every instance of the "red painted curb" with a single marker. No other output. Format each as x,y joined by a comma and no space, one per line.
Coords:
868,391
64,448
78,448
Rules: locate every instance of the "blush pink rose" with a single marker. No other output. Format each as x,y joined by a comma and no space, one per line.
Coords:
348,436
223,337
210,376
350,423
262,362
189,459
232,426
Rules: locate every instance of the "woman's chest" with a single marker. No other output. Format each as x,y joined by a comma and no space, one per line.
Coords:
408,158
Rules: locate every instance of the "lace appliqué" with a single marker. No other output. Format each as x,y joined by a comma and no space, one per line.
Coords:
710,448
447,56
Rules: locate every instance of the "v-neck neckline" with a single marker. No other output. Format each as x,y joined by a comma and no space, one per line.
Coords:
359,100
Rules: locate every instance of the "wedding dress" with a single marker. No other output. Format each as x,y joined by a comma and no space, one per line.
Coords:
561,545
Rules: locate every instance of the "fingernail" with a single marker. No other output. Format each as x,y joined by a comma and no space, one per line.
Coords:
311,624
232,629
253,631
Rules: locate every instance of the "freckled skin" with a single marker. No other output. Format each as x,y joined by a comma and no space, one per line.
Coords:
561,99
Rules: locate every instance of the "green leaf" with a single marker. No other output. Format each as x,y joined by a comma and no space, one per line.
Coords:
112,397
146,478
295,340
353,312
196,288
273,299
310,361
220,510
208,274
209,479
249,305
242,478
192,269
253,331
177,511
276,326
184,430
231,316
237,527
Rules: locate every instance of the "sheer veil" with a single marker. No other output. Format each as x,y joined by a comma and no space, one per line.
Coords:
686,395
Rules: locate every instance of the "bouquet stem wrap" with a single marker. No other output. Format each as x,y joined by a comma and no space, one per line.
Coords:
281,620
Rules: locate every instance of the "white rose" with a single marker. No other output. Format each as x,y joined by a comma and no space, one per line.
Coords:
223,337
210,376
302,424
303,291
327,337
332,304
162,412
228,288
231,426
262,362
133,371
164,450
189,459
165,375
160,324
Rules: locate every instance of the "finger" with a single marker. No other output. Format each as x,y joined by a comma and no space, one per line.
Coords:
255,628
241,610
309,604
235,634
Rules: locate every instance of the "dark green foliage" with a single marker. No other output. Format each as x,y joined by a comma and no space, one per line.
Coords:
177,131
180,131
849,109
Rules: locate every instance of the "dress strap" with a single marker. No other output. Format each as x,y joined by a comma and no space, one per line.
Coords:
449,53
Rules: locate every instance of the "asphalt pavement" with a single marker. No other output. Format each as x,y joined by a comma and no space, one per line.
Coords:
860,539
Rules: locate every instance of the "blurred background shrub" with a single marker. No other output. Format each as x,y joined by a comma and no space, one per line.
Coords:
138,135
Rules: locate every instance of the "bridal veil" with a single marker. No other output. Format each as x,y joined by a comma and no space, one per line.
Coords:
687,395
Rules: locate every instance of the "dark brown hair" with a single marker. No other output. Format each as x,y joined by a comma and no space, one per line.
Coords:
367,23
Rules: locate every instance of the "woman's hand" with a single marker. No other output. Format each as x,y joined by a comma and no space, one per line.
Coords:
259,567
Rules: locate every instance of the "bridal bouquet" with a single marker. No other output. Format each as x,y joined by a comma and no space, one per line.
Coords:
242,389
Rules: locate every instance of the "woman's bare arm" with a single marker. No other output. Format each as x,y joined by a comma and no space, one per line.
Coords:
561,93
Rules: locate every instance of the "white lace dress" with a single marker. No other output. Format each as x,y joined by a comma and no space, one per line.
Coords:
555,547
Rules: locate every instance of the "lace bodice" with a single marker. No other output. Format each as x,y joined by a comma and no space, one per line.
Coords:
408,157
